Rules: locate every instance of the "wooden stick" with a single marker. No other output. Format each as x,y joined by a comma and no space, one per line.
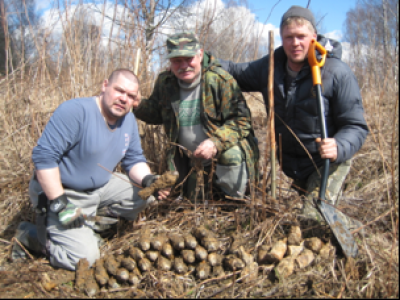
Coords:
4,241
271,112
137,61
15,240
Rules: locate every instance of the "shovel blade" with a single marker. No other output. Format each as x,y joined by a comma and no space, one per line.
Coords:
339,229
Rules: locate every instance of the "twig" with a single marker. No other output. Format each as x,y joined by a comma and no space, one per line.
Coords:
271,112
4,241
373,221
228,286
14,239
119,289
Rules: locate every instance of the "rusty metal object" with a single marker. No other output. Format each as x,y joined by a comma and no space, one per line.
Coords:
168,179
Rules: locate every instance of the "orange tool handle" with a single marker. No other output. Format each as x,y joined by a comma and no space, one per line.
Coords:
314,63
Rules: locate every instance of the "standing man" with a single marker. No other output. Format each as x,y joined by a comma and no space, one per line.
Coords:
203,109
296,106
82,136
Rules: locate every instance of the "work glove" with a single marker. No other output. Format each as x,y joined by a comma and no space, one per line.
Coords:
149,179
69,215
146,182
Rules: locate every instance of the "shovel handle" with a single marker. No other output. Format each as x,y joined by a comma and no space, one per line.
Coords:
314,63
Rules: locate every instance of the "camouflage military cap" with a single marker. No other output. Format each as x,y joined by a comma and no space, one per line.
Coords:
182,44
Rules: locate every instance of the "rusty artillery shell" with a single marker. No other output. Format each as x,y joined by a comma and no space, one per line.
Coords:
144,264
294,237
118,258
177,241
163,263
231,262
82,273
237,242
100,273
200,253
201,232
136,253
314,244
152,255
191,268
111,265
165,180
327,251
167,250
179,266
305,258
112,283
251,270
135,276
215,259
211,244
263,250
188,256
158,242
133,279
217,271
128,263
294,251
122,274
144,243
203,270
91,287
246,257
190,241
285,267
277,252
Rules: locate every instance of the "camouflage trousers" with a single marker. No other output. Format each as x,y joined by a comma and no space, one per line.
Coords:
310,188
230,176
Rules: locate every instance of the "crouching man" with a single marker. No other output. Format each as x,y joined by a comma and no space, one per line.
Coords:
83,139
203,109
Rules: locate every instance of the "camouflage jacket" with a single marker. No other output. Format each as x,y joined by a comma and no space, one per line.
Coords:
224,112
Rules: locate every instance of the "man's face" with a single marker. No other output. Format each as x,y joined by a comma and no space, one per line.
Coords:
296,41
187,68
118,97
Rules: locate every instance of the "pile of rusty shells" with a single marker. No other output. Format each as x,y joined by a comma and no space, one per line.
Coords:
199,253
203,254
294,253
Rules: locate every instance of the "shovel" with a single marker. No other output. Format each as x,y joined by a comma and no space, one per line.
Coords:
329,212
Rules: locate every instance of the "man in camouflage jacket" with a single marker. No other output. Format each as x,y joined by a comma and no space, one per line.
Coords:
203,109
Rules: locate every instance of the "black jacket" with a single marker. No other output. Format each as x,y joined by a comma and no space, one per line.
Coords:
343,107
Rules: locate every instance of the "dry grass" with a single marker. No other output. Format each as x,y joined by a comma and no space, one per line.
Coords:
29,95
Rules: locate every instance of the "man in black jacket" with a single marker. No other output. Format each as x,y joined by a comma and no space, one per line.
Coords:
296,106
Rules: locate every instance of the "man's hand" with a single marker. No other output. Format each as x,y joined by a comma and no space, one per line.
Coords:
327,148
206,150
69,215
163,194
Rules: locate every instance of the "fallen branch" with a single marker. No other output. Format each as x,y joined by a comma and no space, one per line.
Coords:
14,239
373,221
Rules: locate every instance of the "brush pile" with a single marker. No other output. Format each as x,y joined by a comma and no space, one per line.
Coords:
200,253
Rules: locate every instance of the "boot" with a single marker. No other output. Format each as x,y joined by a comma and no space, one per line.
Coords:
26,234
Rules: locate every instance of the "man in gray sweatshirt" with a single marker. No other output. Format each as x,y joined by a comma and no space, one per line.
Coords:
83,139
